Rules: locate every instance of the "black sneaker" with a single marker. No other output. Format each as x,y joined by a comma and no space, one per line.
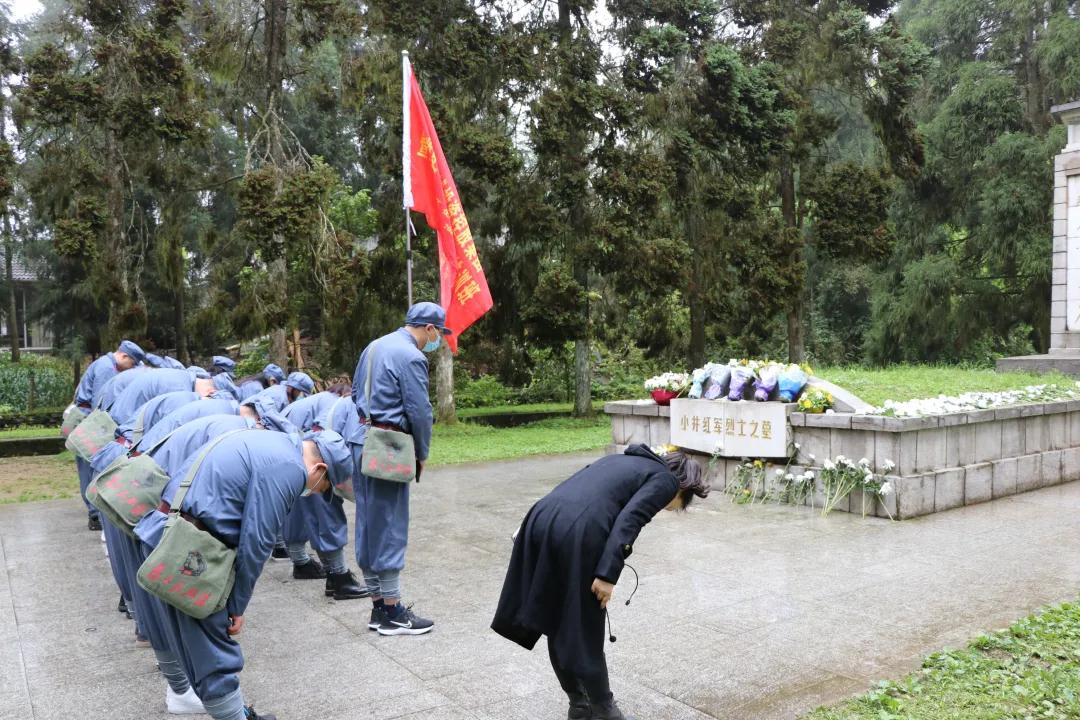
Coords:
343,586
121,607
250,714
280,553
377,618
406,623
311,570
93,523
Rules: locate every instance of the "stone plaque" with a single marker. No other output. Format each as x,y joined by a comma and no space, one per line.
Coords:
738,429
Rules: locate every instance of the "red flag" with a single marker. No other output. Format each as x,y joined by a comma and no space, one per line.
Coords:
465,295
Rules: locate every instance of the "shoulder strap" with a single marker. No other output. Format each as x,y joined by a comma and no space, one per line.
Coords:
331,413
367,382
181,492
140,423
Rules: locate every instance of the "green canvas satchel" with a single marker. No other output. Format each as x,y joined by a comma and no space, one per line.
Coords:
72,417
343,490
388,454
190,569
129,488
94,432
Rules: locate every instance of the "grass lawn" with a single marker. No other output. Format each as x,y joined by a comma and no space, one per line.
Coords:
44,477
467,442
907,382
30,431
1031,670
466,413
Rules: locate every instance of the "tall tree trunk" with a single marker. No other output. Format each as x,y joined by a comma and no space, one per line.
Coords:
445,411
1035,87
9,255
796,341
9,275
277,14
574,153
583,378
279,354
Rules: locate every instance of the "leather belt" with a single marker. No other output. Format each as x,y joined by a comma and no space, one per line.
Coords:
387,426
166,508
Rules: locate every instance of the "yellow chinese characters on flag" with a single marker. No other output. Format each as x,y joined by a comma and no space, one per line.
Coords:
464,289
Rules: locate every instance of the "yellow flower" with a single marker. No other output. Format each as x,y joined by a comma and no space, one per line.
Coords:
758,464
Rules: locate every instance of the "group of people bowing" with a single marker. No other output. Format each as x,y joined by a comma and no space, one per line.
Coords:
261,466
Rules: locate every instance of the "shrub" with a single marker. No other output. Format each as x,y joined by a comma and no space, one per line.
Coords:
254,361
35,382
484,391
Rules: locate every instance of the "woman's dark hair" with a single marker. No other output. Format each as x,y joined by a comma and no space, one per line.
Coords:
686,496
257,377
342,389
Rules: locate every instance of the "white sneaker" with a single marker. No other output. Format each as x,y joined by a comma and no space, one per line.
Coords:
102,536
186,704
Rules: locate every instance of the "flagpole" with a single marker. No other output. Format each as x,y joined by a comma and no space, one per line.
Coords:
406,174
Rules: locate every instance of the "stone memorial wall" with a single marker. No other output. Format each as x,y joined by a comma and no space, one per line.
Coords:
942,462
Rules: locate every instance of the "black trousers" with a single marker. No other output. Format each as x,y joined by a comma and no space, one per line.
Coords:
595,685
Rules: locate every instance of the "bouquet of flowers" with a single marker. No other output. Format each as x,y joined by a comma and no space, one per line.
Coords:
742,376
792,381
815,400
666,387
768,376
710,381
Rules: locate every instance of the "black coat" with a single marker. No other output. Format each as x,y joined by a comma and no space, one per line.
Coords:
584,529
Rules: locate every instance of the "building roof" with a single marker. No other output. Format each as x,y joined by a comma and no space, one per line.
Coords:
20,269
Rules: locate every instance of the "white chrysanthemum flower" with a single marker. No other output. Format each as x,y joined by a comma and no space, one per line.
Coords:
864,461
789,477
779,472
829,465
886,488
798,446
830,411
889,466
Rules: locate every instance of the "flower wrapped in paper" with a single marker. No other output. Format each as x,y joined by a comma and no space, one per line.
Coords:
768,377
710,381
718,382
792,381
742,376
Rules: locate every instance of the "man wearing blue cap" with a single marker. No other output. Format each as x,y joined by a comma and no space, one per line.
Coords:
87,394
253,384
296,386
163,362
223,364
242,490
321,520
397,400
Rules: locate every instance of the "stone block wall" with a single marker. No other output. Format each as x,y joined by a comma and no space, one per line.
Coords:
942,462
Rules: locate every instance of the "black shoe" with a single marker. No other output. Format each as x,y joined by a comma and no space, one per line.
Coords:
608,711
377,618
93,523
280,552
311,570
579,707
343,586
250,714
406,623
121,607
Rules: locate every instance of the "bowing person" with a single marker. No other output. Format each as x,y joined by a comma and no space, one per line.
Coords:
568,557
242,489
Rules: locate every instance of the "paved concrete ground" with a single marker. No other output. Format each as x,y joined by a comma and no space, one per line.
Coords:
743,612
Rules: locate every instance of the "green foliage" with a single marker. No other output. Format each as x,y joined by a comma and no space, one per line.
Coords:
34,382
253,361
1030,670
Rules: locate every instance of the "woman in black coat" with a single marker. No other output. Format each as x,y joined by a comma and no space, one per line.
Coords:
569,555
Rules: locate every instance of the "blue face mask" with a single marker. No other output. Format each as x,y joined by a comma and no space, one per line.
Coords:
433,345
